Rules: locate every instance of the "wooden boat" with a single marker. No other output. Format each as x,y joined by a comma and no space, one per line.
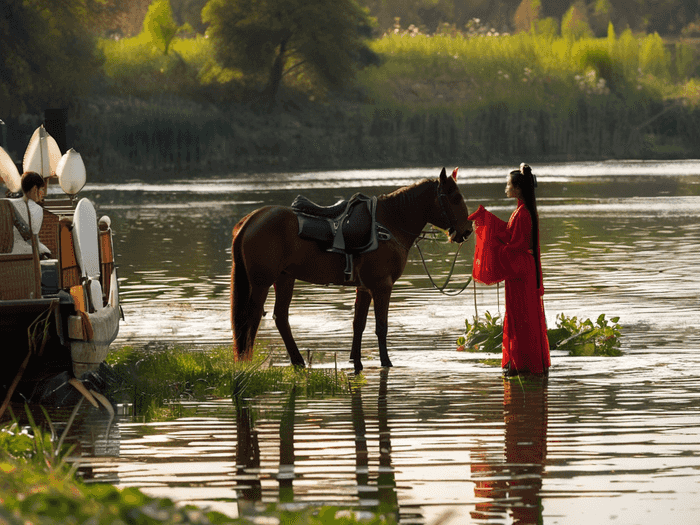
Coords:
58,313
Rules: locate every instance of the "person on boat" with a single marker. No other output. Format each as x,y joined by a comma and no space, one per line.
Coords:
29,215
510,252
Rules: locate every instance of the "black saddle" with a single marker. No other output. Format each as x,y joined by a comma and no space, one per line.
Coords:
349,226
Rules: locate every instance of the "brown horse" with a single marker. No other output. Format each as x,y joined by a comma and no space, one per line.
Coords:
267,251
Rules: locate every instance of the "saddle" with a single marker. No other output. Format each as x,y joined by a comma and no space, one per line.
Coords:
348,227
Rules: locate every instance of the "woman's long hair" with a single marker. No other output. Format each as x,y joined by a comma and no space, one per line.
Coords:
524,180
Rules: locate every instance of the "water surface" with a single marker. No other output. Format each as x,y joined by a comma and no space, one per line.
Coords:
606,440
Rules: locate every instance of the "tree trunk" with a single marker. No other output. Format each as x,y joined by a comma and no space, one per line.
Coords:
273,84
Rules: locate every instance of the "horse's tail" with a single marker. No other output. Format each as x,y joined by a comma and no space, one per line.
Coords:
240,296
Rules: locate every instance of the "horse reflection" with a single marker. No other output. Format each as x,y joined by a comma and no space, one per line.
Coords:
286,475
247,461
515,486
376,493
380,496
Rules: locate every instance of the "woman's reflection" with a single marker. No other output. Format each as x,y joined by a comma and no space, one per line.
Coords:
382,496
515,486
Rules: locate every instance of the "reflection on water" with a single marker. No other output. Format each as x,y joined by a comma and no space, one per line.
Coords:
606,440
592,445
515,485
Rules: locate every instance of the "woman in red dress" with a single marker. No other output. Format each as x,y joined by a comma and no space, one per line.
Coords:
510,252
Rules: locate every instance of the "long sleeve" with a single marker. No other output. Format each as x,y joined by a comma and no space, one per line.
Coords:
501,247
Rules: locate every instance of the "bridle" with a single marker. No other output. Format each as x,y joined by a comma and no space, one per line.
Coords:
448,213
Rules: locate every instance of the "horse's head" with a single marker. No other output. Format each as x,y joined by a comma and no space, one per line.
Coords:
453,209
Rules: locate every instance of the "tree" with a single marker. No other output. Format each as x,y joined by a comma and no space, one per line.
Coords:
159,23
575,24
46,57
267,40
526,15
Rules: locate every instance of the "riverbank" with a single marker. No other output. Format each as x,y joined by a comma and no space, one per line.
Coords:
166,136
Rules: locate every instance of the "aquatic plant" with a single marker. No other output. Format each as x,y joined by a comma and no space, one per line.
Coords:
482,334
585,337
580,337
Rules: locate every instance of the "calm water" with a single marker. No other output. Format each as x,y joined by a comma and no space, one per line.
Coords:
606,440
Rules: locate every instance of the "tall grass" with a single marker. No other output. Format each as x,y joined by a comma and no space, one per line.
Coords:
526,68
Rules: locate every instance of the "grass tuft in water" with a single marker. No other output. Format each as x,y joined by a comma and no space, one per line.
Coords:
152,380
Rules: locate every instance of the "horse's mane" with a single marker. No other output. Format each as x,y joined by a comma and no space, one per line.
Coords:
406,195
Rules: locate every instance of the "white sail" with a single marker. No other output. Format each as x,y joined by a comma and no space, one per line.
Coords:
9,172
42,153
71,172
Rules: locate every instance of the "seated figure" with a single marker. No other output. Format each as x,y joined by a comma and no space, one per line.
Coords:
29,215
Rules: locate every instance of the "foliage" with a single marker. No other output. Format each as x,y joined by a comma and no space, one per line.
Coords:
47,57
577,336
149,380
535,70
584,337
575,22
526,15
317,43
161,26
482,335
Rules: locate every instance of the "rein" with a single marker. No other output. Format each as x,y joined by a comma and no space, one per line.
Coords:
441,289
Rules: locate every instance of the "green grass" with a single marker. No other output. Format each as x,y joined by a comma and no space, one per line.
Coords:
526,67
154,381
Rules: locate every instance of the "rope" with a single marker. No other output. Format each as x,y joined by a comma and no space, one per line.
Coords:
441,289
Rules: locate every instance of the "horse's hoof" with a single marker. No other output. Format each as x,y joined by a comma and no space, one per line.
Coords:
387,364
358,367
299,365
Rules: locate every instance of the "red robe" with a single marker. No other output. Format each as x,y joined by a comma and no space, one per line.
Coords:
504,253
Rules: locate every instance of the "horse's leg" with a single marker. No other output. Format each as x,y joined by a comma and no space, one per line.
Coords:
381,315
362,301
284,288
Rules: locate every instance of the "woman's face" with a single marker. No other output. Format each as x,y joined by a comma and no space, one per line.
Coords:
512,191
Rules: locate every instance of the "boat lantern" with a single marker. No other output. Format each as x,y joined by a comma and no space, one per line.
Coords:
42,153
71,172
8,172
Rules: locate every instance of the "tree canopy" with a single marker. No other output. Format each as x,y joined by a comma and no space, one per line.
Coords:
46,56
316,41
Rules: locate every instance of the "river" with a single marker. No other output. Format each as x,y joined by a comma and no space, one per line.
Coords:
605,440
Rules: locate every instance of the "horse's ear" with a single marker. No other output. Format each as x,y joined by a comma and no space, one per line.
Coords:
454,174
443,176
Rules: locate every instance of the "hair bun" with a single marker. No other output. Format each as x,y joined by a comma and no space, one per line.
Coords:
525,169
